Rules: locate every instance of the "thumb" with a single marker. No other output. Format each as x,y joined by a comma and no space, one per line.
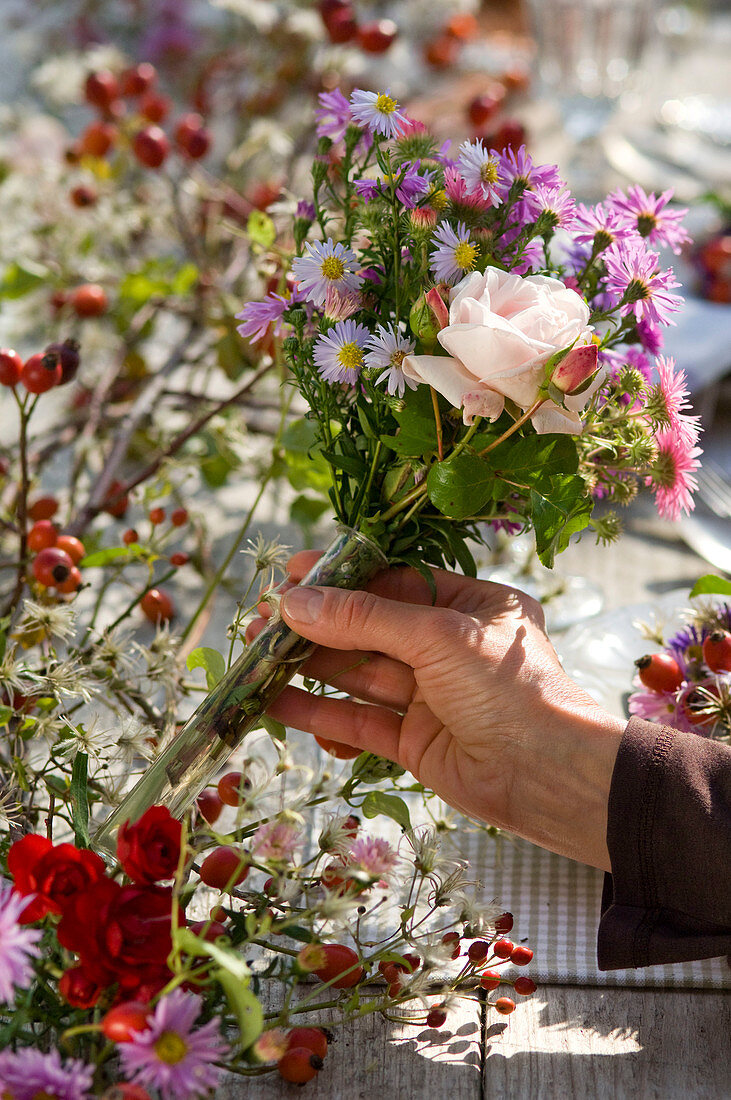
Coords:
361,620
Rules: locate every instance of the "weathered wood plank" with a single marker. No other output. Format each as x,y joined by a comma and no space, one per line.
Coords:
377,1058
575,1043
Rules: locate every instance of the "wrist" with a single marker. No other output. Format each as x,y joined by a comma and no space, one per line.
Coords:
565,795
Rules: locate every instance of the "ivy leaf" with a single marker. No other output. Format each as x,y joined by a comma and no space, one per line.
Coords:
557,514
460,486
376,802
711,585
209,659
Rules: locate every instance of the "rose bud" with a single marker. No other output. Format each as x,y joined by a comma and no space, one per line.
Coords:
576,368
437,305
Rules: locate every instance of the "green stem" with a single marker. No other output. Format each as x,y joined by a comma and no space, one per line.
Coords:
438,422
514,426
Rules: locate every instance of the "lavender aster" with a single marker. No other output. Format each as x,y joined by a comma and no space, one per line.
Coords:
17,944
455,254
377,112
173,1056
325,265
387,350
551,206
333,115
258,316
516,167
338,354
638,286
600,226
28,1074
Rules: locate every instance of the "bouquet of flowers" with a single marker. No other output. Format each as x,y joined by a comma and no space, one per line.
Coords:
687,685
474,352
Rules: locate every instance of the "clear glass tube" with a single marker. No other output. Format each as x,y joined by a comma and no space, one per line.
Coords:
236,704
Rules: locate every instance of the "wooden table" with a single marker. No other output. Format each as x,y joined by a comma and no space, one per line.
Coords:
567,1042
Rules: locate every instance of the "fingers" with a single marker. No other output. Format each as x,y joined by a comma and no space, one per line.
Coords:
368,728
367,676
412,634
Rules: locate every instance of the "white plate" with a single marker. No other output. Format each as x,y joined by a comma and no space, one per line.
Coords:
600,654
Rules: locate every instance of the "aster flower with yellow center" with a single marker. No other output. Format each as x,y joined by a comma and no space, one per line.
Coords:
328,266
377,112
455,255
338,354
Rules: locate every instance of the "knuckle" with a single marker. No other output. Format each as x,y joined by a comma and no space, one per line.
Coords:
356,611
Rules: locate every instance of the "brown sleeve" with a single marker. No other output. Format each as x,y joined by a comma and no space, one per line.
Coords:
668,898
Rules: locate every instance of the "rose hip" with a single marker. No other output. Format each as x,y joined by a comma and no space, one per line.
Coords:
51,567
659,672
40,373
503,948
10,367
224,868
41,535
122,1021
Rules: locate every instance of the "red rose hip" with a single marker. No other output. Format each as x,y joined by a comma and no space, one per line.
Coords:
51,567
717,651
659,672
151,146
224,868
10,367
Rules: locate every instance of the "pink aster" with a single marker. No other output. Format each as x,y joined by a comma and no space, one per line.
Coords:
258,316
600,226
554,205
172,1056
650,216
17,944
277,840
372,855
673,388
658,706
672,479
458,193
28,1074
636,283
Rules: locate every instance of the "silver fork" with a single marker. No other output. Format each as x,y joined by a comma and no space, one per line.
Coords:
714,489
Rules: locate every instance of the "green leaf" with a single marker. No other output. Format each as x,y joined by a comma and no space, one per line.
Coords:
416,419
19,279
412,446
245,1007
460,486
210,660
534,459
306,510
711,585
111,554
306,468
376,802
230,961
274,728
351,465
370,768
184,279
80,801
261,228
6,713
558,514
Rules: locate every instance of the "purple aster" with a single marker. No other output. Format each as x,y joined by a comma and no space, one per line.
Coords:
480,169
455,254
172,1056
258,316
516,166
338,354
333,116
367,189
377,112
600,226
387,350
28,1074
17,944
649,216
553,205
651,337
323,266
305,210
411,185
636,283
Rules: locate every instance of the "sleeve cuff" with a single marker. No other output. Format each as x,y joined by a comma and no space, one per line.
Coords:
668,898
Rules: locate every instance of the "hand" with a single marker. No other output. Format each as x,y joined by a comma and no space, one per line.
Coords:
468,695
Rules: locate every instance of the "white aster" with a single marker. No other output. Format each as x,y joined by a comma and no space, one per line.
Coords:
480,170
339,353
377,112
386,352
325,266
455,255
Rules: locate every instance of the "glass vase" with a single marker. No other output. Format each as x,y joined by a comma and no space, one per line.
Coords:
235,706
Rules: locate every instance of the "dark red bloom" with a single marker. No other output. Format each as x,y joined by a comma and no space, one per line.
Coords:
121,935
149,850
76,987
56,874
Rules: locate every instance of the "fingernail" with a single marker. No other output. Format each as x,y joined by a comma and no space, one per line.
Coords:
303,604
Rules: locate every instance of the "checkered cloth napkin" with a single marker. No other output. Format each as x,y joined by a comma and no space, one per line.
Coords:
556,905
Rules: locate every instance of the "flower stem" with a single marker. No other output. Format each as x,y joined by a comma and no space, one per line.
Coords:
514,427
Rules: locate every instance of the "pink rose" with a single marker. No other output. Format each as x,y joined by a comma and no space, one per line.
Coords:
502,329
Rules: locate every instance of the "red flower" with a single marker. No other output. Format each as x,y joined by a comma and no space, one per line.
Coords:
78,988
56,874
149,850
121,935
